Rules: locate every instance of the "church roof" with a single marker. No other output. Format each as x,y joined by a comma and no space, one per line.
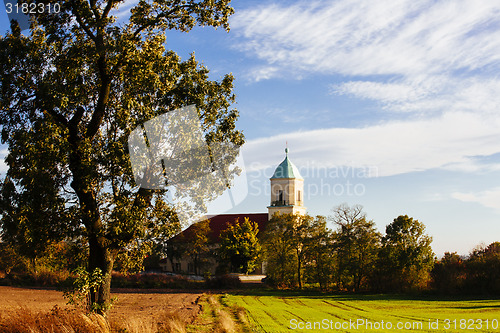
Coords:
286,169
218,223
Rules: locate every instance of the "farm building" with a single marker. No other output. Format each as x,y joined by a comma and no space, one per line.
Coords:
287,193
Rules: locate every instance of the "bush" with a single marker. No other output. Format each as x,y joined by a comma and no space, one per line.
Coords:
151,281
226,281
44,278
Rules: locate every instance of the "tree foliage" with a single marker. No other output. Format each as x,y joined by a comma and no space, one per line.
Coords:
406,257
357,244
72,91
288,240
37,216
195,244
321,257
448,274
483,269
239,244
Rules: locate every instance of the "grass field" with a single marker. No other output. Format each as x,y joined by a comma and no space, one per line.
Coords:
286,312
151,311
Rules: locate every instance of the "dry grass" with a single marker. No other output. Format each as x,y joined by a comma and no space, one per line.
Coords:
224,320
173,324
135,325
57,320
241,314
168,323
74,321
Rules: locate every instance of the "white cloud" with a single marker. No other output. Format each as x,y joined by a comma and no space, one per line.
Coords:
489,198
262,73
424,56
386,92
428,94
358,37
451,140
123,11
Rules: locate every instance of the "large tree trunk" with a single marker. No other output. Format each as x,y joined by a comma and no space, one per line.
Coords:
100,255
102,258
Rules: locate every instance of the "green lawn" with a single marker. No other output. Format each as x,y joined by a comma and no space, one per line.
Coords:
289,312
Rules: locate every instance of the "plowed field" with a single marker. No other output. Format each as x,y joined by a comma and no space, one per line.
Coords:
130,304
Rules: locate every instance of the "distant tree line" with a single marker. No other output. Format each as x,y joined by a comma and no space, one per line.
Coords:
297,251
301,250
477,273
353,257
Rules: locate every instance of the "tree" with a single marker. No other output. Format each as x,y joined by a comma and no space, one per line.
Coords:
280,258
194,242
483,269
357,243
448,274
321,257
81,83
36,217
406,256
239,244
287,241
9,258
197,245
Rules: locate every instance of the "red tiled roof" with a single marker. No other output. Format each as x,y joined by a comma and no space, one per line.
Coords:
220,222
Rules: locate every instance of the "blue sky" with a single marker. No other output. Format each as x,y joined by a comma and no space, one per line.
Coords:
393,105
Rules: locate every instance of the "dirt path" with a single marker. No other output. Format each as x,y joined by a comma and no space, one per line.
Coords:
131,303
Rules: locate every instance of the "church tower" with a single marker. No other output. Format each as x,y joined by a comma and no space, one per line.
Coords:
287,189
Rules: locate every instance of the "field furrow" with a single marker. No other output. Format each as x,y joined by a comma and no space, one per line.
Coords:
287,312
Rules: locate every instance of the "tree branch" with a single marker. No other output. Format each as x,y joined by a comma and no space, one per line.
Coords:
59,118
95,10
158,19
75,120
100,109
79,19
108,8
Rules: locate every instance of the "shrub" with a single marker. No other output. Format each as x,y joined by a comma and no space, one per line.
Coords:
152,281
44,278
226,281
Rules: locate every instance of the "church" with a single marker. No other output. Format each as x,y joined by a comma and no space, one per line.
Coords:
287,196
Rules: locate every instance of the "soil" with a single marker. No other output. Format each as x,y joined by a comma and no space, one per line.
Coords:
131,303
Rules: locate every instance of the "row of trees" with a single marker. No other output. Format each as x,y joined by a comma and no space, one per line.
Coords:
299,250
479,272
355,257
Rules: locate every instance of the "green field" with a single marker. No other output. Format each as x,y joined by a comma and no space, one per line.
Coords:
289,312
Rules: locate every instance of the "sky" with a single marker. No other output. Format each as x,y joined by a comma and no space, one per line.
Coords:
393,105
